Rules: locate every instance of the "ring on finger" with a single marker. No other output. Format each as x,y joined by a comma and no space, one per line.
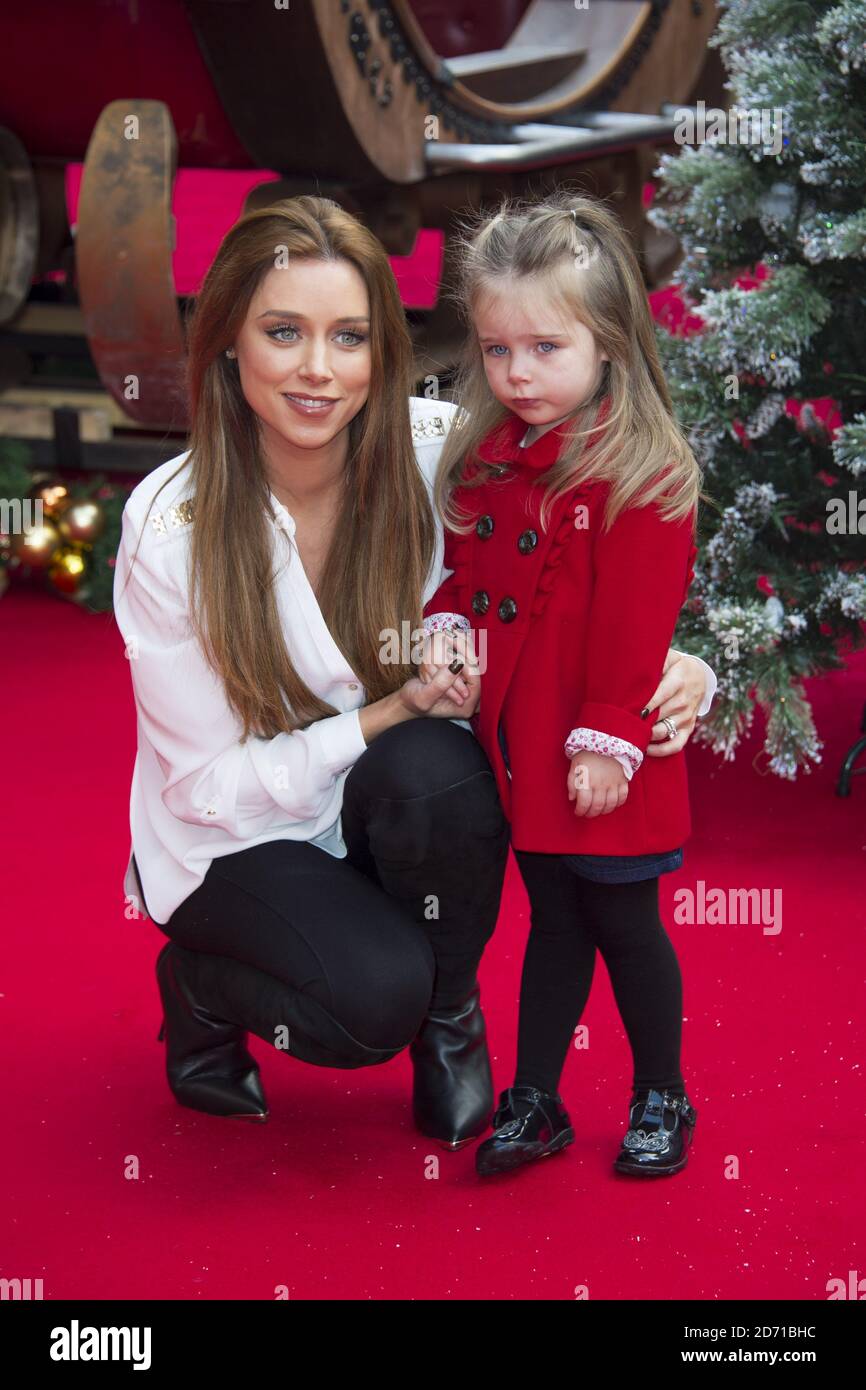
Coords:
670,726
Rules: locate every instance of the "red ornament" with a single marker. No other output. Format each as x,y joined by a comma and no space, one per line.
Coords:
824,410
671,311
752,280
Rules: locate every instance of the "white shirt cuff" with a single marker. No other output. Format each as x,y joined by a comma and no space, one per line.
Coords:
341,740
711,686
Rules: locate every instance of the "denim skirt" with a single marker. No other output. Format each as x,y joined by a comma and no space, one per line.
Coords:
623,868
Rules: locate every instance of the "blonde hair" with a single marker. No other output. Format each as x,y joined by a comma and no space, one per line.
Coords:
384,537
577,253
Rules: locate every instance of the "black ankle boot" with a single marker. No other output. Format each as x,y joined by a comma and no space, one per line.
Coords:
207,1063
659,1134
452,1093
528,1124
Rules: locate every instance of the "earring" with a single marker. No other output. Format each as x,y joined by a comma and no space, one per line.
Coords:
230,352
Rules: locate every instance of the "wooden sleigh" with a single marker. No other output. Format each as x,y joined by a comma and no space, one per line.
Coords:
397,109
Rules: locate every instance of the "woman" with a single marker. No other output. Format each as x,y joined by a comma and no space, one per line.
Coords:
314,827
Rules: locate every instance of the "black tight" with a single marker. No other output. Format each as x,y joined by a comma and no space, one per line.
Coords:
571,918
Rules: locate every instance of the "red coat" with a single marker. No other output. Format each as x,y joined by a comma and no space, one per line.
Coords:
578,623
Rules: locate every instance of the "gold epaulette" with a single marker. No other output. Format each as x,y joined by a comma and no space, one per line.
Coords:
177,516
433,428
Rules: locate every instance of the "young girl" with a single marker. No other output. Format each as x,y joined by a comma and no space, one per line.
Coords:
569,495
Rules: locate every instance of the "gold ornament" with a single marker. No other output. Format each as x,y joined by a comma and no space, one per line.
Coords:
82,522
67,570
36,545
54,496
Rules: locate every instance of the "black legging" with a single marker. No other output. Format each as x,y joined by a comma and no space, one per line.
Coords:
571,917
359,948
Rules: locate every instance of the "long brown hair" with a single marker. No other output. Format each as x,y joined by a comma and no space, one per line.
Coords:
384,536
584,262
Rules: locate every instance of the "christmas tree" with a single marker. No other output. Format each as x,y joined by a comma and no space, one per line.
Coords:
768,205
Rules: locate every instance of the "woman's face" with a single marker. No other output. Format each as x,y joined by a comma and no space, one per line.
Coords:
306,339
540,363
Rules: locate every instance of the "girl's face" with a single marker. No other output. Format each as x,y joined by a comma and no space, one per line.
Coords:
541,364
306,339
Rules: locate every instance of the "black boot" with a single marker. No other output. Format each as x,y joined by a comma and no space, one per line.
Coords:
528,1124
452,1092
207,1063
659,1134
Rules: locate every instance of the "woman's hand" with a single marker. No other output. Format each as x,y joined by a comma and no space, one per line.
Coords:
596,784
678,696
440,648
441,692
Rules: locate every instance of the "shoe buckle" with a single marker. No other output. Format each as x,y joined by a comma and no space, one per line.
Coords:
681,1106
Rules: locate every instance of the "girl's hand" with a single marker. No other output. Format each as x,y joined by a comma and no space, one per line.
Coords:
596,784
678,696
441,695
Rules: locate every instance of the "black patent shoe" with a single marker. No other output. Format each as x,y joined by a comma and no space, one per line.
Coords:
207,1063
528,1124
452,1089
659,1134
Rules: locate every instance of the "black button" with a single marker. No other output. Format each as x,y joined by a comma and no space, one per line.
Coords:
507,610
484,527
527,542
480,601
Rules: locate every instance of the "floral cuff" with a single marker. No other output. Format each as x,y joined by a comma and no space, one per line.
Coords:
591,741
446,622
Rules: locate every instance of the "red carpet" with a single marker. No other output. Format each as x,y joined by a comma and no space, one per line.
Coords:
332,1197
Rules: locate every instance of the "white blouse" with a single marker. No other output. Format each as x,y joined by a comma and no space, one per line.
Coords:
197,791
